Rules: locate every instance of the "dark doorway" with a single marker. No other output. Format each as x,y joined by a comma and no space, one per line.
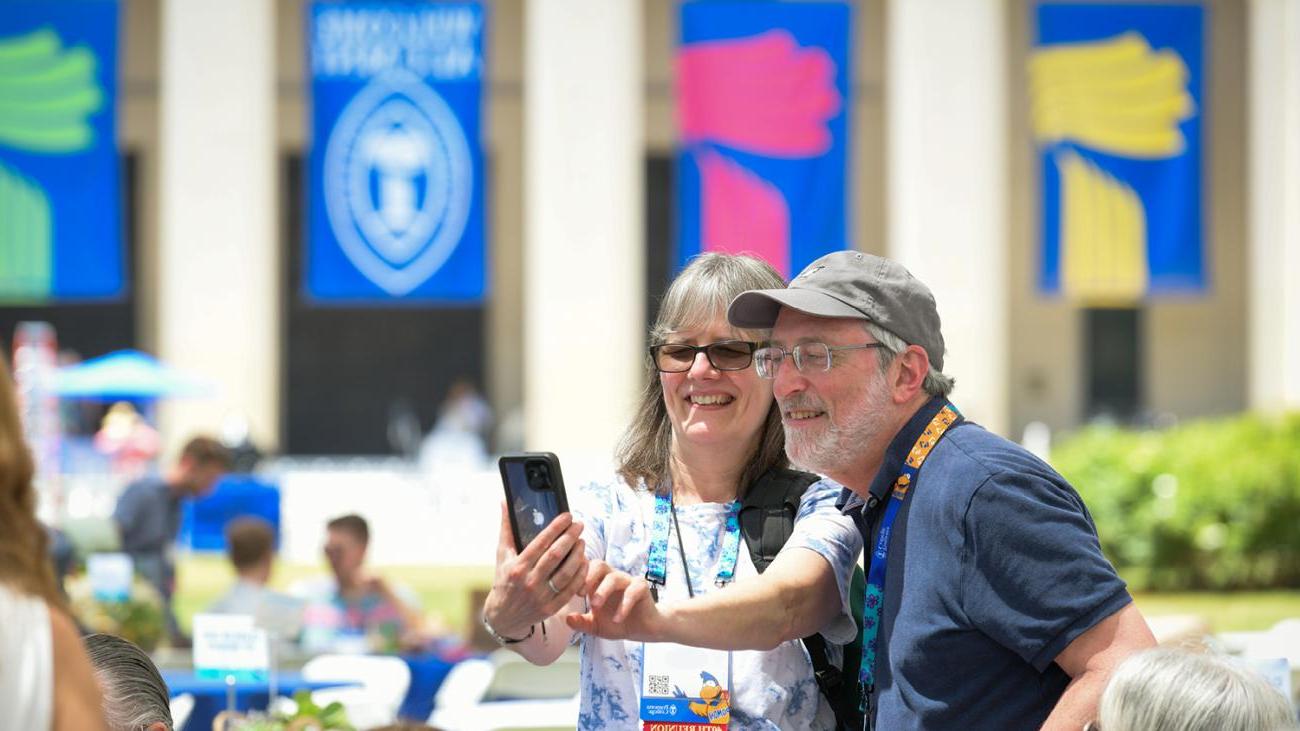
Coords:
354,374
659,211
1113,363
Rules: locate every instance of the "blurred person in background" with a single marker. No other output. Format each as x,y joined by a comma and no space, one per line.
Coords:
148,516
128,440
46,681
1166,689
459,438
250,546
356,610
237,437
135,696
63,554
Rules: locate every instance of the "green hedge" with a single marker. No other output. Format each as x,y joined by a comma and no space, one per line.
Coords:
1209,504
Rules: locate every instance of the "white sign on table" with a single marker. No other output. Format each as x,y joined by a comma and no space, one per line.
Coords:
230,646
110,576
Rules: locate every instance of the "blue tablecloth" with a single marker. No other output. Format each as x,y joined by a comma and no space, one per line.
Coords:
210,695
428,670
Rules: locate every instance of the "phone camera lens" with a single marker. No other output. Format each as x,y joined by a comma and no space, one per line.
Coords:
538,476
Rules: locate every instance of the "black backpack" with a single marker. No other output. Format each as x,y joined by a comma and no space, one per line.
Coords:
767,513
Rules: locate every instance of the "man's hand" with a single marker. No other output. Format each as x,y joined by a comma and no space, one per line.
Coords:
621,607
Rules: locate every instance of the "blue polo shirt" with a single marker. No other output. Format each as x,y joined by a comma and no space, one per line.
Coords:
994,568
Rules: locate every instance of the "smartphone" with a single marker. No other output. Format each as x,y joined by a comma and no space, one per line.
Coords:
534,493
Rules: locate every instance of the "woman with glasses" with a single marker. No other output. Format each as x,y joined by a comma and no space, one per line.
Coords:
705,430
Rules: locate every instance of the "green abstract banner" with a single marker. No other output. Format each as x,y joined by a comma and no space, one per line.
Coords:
60,211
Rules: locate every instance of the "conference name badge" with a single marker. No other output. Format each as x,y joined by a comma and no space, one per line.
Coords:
684,687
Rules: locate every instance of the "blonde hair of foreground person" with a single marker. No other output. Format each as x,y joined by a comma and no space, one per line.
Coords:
1165,689
25,571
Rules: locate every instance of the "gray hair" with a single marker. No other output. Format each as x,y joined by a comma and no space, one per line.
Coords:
1164,689
699,295
935,383
135,695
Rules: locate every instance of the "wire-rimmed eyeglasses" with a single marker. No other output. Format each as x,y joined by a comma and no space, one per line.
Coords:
724,355
808,357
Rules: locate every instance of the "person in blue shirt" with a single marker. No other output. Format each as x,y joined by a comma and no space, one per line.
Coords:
989,603
148,515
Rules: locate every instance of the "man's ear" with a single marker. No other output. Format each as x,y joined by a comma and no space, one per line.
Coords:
913,365
156,726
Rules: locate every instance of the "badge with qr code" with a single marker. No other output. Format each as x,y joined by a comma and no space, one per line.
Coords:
684,687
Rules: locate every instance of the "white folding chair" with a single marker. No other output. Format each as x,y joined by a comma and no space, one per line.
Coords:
505,691
517,679
382,683
181,707
465,685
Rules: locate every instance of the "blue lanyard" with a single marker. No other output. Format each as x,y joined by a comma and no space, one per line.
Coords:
657,565
874,600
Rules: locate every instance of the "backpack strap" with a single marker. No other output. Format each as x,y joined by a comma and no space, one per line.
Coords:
767,513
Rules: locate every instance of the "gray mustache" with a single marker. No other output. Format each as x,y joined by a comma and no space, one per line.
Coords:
800,403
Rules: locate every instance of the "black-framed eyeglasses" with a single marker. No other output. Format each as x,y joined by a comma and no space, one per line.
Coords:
808,357
724,355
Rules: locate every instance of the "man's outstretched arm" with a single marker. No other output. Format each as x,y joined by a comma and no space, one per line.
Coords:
795,597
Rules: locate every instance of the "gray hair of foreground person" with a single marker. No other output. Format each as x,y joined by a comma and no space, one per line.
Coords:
135,696
1165,689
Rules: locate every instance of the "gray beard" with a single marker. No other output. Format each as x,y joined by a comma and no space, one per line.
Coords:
837,448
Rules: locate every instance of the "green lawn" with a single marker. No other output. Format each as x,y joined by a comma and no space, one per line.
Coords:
444,591
445,594
1228,611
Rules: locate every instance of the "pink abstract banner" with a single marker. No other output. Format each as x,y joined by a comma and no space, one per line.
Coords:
762,99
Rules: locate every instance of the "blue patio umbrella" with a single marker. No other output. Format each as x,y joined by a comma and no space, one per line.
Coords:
126,375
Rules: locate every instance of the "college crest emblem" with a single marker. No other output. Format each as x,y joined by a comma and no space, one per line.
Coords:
398,181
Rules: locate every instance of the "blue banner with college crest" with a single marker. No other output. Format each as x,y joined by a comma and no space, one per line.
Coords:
60,214
1116,104
396,173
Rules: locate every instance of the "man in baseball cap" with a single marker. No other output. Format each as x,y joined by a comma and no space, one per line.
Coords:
989,603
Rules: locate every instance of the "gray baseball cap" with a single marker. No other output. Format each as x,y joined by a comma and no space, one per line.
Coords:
850,284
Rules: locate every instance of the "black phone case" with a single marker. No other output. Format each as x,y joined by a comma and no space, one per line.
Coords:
515,492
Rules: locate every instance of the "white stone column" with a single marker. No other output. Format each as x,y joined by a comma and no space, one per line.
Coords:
583,224
1274,143
946,101
218,273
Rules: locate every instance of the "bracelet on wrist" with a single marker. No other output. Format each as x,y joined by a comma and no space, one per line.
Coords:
502,639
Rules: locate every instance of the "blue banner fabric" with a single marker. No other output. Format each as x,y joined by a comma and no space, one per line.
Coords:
396,170
203,521
60,214
1116,103
763,94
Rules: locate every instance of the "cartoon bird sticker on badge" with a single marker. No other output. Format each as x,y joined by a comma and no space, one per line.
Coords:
713,704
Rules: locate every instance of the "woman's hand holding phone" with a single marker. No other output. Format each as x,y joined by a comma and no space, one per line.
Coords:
535,584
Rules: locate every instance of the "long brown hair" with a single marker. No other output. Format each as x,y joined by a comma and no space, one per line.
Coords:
700,293
24,562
